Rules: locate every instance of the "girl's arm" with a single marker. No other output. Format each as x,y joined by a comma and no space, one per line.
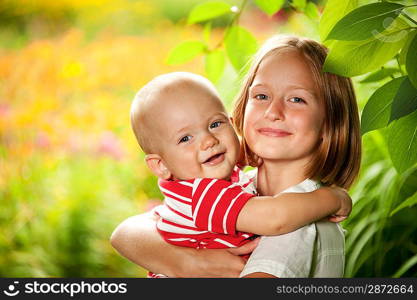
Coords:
138,240
287,212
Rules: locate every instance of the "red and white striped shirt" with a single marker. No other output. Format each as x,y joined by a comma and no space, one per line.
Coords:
202,212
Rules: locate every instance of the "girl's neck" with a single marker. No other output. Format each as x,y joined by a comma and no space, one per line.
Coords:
276,176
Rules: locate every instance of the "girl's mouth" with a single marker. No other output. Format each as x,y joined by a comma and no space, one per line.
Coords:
215,159
274,132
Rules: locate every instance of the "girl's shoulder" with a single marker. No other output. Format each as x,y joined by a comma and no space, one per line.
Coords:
305,186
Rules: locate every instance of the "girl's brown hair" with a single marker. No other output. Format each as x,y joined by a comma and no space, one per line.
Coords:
338,155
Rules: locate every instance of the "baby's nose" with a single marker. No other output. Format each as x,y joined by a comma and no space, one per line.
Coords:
209,141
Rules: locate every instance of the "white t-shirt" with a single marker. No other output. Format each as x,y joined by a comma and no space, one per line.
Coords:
315,250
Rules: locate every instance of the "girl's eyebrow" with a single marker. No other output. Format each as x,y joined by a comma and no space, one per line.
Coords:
299,87
257,85
291,86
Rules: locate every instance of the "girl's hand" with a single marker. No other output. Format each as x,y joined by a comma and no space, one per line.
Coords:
138,240
246,248
336,219
345,205
220,262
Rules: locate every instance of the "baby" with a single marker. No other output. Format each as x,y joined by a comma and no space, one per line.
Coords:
190,144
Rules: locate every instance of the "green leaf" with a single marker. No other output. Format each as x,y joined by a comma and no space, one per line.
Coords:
404,50
402,142
270,7
412,261
352,58
207,32
406,203
405,102
185,51
359,247
411,61
240,46
311,11
409,184
299,4
208,10
365,21
379,75
214,65
333,12
377,110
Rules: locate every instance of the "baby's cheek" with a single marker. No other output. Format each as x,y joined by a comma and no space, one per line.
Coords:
187,163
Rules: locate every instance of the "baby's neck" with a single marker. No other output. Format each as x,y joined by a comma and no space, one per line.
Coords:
276,176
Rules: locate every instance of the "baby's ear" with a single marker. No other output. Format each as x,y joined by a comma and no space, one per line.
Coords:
157,166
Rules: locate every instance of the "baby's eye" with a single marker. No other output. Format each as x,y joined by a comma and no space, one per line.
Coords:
296,100
261,97
184,139
215,124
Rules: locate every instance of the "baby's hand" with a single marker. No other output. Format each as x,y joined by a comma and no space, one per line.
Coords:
345,205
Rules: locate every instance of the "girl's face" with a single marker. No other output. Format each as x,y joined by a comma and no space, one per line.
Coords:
284,115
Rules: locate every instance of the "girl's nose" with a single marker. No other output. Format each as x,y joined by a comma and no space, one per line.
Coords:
275,111
208,141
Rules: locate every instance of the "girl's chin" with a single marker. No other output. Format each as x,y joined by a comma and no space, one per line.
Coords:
270,150
277,153
269,155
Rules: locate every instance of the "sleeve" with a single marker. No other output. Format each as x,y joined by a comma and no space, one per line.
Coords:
287,256
216,204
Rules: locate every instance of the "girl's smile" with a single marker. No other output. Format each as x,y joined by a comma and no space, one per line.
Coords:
267,131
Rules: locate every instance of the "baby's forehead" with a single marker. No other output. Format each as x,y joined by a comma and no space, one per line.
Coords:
173,91
183,84
178,78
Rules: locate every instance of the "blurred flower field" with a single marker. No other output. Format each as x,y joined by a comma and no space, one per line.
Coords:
70,168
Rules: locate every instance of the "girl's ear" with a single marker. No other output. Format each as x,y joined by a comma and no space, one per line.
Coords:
157,166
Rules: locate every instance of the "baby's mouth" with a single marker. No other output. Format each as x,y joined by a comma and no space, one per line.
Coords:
215,159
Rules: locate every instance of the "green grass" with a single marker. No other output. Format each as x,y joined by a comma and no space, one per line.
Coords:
378,245
56,219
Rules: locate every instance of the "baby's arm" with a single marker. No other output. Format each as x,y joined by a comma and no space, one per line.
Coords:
289,211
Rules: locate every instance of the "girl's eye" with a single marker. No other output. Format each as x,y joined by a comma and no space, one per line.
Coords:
215,124
296,100
184,139
261,97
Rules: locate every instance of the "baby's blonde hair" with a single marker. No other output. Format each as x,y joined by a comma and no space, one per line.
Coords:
337,158
154,92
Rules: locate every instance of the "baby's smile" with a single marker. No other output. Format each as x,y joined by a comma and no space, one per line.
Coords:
215,159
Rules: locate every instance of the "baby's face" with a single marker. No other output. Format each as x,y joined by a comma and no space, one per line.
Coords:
195,136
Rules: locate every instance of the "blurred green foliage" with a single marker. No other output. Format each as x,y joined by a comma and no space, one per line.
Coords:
70,169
